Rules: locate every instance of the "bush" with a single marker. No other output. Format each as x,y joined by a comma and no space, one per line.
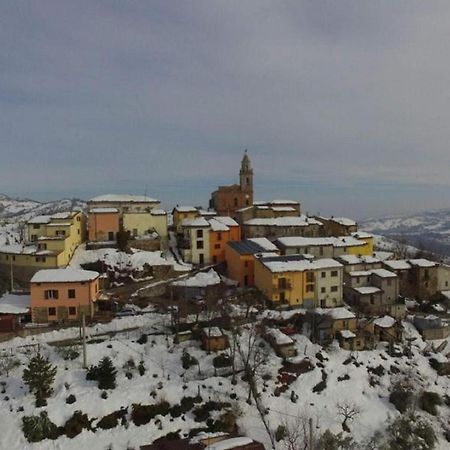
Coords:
142,414
39,375
330,441
71,399
402,396
69,353
222,360
104,395
112,420
188,361
143,339
105,373
280,434
141,368
37,428
428,402
75,424
379,370
201,413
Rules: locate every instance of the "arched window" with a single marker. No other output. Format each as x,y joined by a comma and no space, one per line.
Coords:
235,201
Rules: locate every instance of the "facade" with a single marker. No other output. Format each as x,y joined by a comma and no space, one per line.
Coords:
300,282
277,227
140,216
213,339
283,345
338,226
223,229
226,200
268,210
181,213
328,324
59,295
354,263
240,258
323,247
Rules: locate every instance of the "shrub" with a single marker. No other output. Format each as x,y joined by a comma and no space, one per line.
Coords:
201,413
141,368
105,373
71,399
428,402
188,361
402,396
69,353
330,441
37,428
39,376
142,414
379,370
75,424
280,433
112,420
143,339
104,395
222,360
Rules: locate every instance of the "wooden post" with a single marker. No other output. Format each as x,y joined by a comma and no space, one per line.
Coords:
83,321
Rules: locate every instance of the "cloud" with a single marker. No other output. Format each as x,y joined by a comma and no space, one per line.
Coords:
113,96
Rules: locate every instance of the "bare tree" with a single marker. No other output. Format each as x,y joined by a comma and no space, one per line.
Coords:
7,363
348,411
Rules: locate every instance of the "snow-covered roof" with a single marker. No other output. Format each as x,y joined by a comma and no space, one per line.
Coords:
361,235
216,225
265,244
339,313
103,210
14,304
123,198
343,221
39,220
383,256
195,222
64,276
158,212
347,334
446,294
398,264
355,259
384,322
185,209
229,221
283,202
201,279
360,273
300,241
283,208
366,290
286,221
422,262
60,224
285,264
18,249
279,337
229,444
383,273
205,213
213,332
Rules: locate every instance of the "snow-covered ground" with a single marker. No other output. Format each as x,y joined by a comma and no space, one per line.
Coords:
166,377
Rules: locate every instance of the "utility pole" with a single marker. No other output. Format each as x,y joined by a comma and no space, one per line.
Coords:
12,276
311,439
83,324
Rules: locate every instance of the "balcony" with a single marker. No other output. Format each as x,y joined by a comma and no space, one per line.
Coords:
282,287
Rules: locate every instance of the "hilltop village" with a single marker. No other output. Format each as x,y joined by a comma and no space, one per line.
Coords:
254,296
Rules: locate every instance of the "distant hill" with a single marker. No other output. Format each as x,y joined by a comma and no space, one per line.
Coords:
23,209
428,230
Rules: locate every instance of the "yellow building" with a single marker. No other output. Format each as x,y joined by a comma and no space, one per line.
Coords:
181,213
367,239
301,282
140,224
51,242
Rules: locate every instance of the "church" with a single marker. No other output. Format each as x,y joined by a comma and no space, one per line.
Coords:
228,199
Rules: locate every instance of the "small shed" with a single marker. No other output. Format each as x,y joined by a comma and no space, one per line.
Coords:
214,339
283,345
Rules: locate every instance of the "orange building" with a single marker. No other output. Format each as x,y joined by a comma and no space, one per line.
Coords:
63,294
223,229
228,199
103,224
240,258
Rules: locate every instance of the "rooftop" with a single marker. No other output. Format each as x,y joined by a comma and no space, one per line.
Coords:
252,246
366,290
64,276
103,210
286,221
297,263
123,198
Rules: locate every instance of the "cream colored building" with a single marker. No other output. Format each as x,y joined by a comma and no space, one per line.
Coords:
141,224
195,245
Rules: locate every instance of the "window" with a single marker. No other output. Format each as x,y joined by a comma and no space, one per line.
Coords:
34,237
323,274
60,233
321,251
201,259
51,293
219,236
42,246
323,290
245,263
217,246
282,283
214,259
309,288
135,232
78,219
334,273
199,244
334,288
310,277
71,293
372,300
199,234
345,324
235,202
357,279
52,311
36,226
72,310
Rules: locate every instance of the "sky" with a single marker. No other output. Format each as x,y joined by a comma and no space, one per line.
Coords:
343,105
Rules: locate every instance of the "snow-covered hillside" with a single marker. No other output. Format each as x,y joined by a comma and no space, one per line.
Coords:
430,230
24,209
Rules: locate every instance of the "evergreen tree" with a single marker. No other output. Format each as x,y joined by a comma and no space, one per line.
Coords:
106,374
122,238
39,376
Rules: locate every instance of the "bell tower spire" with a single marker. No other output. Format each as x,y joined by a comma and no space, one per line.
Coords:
246,178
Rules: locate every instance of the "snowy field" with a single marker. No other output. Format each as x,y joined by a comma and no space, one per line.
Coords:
165,376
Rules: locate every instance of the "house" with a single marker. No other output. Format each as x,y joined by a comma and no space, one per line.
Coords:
276,227
226,200
222,230
201,285
14,310
51,242
63,294
432,327
297,281
181,213
323,247
283,345
353,263
213,339
240,258
328,323
374,292
272,209
338,226
386,328
140,216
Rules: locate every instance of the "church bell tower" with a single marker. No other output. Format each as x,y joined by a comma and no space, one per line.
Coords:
246,178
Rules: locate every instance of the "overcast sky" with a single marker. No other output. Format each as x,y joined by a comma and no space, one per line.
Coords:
343,105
